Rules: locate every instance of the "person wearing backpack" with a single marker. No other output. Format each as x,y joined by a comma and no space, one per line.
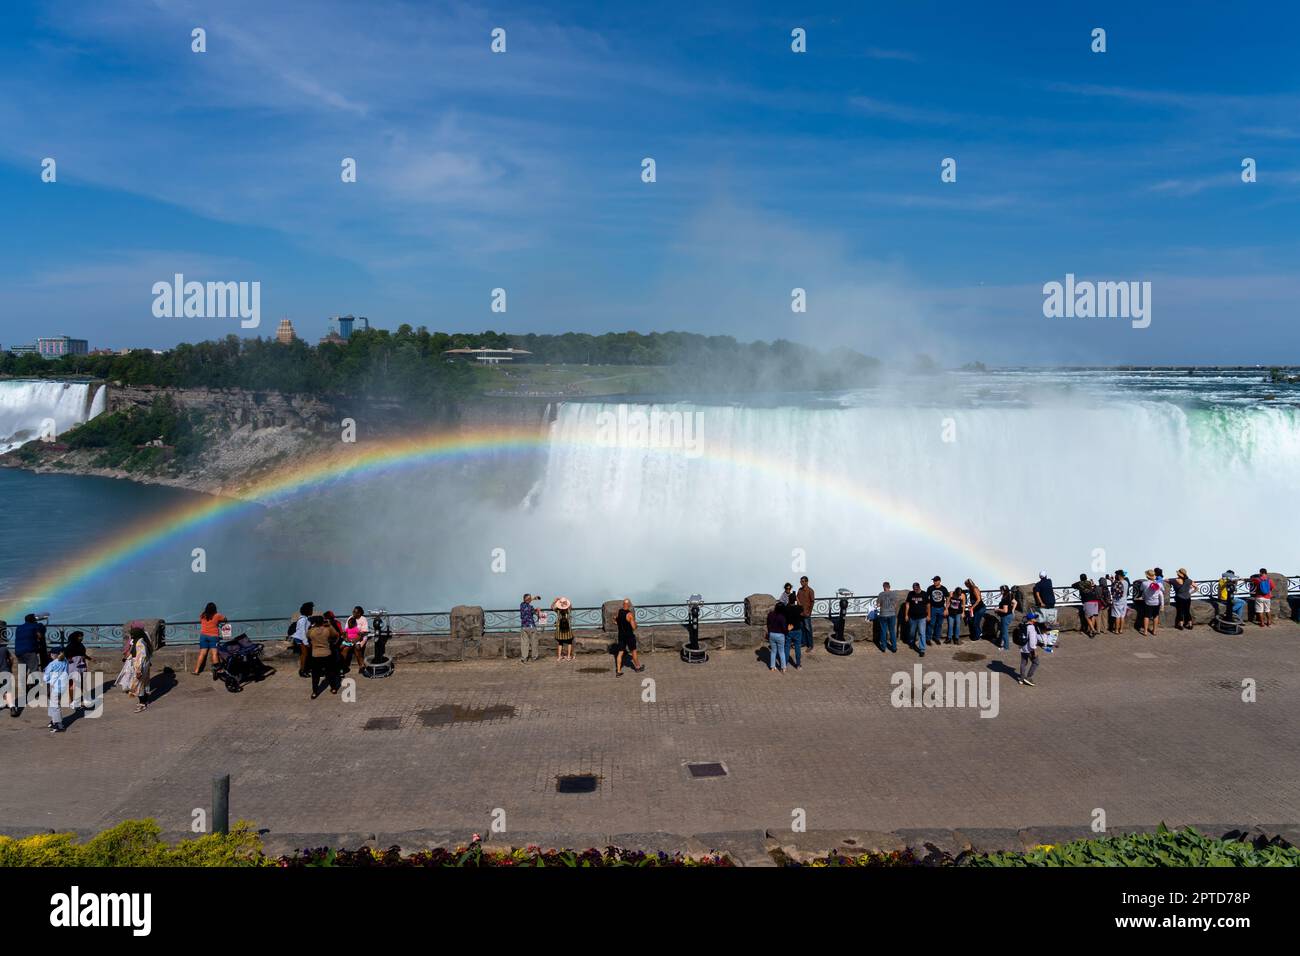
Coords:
1264,599
1153,598
1029,641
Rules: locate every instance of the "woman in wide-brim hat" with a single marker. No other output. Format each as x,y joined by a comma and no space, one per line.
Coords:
563,629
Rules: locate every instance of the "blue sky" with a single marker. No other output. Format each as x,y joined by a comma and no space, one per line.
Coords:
775,170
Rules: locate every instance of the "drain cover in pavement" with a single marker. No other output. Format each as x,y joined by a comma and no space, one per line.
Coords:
706,769
577,783
383,723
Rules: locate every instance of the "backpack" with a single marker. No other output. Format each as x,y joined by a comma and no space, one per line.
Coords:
1021,636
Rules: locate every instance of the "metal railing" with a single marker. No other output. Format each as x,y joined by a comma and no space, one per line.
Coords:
438,623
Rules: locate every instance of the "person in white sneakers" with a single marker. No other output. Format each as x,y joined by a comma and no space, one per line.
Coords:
1029,650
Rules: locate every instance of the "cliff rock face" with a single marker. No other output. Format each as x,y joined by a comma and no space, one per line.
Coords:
236,407
251,434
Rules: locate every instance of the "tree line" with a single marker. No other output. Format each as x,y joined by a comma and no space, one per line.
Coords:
409,364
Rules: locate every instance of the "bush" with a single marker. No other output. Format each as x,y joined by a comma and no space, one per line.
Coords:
1165,847
135,843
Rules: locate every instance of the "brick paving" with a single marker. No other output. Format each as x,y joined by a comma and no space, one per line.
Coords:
1146,738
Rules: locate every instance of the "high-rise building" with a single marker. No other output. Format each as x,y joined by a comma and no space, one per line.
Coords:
284,334
56,346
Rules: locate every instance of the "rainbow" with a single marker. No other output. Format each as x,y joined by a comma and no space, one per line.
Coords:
366,461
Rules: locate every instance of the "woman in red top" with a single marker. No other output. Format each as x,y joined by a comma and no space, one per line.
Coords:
209,634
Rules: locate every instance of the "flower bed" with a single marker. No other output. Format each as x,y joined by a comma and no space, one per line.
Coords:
138,843
475,856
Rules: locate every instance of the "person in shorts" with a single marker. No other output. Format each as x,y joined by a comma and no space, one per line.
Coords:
210,622
1045,599
626,639
1264,599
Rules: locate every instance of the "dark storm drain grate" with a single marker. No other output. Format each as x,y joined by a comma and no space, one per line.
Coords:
967,656
446,714
577,783
383,723
706,770
593,670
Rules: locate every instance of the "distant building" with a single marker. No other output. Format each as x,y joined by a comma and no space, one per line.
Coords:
488,356
57,346
22,350
344,324
284,334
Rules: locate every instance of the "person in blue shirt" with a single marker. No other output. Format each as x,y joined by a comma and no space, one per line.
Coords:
528,646
29,646
29,642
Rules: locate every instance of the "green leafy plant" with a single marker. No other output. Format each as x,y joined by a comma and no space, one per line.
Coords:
1165,847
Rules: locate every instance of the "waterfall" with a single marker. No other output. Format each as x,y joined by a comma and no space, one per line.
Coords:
750,497
27,407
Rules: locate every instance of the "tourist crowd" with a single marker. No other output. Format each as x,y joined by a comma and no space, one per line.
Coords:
328,646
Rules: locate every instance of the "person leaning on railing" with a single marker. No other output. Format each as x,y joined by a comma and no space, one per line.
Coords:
1181,587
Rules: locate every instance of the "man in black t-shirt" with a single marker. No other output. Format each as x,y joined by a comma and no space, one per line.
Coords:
917,606
937,597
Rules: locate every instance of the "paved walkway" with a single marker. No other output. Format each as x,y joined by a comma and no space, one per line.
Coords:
1147,730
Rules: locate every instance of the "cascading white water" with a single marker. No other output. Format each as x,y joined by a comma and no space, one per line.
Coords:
29,409
859,494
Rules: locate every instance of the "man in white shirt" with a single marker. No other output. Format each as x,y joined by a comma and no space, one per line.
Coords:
300,636
1029,651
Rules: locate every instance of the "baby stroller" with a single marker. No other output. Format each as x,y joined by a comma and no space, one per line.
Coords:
239,661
